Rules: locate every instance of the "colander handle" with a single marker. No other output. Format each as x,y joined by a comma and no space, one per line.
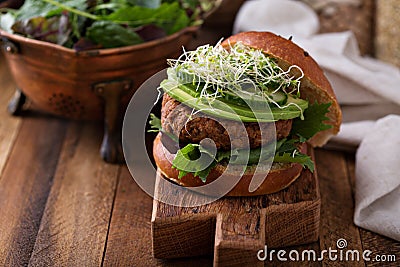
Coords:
8,46
111,92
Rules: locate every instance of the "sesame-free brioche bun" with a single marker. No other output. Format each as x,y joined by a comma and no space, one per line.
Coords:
314,85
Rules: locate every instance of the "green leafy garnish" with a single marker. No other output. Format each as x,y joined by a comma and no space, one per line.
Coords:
246,156
109,34
185,160
314,117
190,159
155,124
101,23
33,8
296,157
171,17
287,152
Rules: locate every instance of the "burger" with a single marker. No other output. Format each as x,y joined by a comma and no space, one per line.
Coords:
253,100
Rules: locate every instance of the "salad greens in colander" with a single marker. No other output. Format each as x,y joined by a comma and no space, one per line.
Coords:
86,24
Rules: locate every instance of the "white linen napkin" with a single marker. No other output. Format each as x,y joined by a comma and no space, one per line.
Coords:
378,178
367,89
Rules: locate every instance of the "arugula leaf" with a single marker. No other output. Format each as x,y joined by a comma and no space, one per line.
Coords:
180,21
314,117
155,123
286,152
202,174
253,156
184,160
110,34
297,157
170,17
286,146
187,161
169,140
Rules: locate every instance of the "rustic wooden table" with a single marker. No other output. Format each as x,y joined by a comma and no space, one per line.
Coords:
61,205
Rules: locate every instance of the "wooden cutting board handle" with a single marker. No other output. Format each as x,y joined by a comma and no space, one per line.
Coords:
238,238
235,229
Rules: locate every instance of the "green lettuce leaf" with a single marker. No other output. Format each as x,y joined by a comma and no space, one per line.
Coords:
314,117
110,34
170,17
186,161
296,157
34,8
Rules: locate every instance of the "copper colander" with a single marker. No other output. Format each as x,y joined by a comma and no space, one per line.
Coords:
88,85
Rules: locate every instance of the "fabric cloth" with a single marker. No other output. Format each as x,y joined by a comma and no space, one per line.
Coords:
368,91
377,196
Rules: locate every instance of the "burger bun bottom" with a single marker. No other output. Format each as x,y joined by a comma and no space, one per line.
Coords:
279,176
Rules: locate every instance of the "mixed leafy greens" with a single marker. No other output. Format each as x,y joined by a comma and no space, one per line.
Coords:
236,85
286,150
87,24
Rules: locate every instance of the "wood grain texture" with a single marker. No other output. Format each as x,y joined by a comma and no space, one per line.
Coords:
129,236
25,185
9,125
238,238
129,239
337,205
241,225
75,222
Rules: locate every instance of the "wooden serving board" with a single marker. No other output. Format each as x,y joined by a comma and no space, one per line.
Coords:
234,229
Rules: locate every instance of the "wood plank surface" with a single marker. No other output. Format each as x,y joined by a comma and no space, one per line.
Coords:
25,185
74,228
129,239
9,125
337,205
